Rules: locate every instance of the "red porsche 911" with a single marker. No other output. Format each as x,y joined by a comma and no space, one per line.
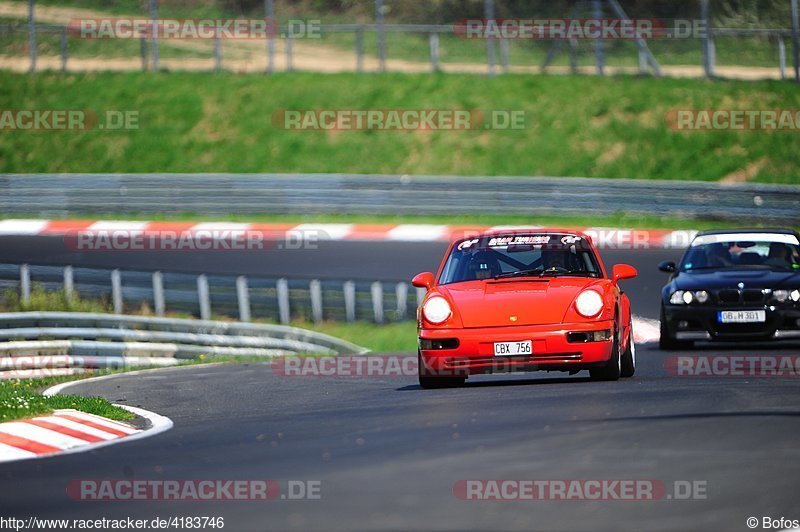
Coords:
524,300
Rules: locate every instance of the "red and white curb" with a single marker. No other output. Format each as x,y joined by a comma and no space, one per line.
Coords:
645,330
72,431
605,238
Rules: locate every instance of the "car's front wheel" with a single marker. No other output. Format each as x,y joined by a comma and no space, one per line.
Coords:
613,369
629,356
429,380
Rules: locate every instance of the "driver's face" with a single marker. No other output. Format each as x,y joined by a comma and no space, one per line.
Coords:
555,260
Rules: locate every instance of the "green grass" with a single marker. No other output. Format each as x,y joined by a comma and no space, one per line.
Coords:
575,126
20,398
388,338
44,300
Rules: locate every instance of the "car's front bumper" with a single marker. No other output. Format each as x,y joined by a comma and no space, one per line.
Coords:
474,353
702,323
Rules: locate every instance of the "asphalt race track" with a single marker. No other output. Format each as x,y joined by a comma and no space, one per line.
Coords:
388,454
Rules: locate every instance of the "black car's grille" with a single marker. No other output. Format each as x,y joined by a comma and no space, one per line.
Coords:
748,296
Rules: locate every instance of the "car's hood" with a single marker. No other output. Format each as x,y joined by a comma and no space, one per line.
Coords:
715,280
530,301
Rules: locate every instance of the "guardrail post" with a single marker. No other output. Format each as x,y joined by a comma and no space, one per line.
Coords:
421,296
573,56
289,63
315,288
158,294
69,283
32,34
116,291
796,39
64,50
782,56
505,55
203,297
401,290
708,53
143,53
599,53
217,52
488,13
360,49
269,14
381,35
283,301
349,289
433,41
25,284
154,32
377,301
243,297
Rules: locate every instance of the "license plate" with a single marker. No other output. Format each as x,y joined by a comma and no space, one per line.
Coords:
512,349
742,316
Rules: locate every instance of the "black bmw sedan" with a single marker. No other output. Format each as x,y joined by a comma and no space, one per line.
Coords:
733,285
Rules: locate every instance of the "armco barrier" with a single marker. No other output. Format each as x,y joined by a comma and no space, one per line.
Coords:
66,340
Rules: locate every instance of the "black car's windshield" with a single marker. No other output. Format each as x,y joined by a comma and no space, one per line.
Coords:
751,251
519,256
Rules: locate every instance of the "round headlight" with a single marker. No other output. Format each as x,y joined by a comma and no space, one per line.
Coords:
701,296
436,310
688,297
589,303
780,295
676,298
795,295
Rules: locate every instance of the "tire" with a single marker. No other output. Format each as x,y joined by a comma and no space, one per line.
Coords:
432,382
613,369
666,341
629,357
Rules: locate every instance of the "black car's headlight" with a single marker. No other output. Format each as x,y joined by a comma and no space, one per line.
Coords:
687,297
782,296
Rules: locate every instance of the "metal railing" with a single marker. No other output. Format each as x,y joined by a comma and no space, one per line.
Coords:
204,296
58,195
51,343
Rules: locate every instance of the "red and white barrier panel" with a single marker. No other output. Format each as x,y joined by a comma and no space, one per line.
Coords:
64,430
97,235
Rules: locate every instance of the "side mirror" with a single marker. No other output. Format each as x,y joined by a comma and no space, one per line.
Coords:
623,271
667,266
423,280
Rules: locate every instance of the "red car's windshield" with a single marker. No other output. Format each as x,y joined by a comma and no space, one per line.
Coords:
519,255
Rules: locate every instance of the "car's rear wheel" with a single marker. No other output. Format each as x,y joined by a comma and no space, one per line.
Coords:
429,380
629,356
613,369
667,341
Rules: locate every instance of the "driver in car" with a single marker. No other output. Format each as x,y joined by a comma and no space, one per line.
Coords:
484,265
554,260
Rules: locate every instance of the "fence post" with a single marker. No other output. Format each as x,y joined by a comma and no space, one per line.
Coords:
69,283
642,62
289,46
401,290
381,35
488,13
573,56
315,288
360,49
203,297
158,294
243,297
116,291
283,301
377,301
349,289
154,32
32,34
433,40
269,14
421,296
64,50
25,283
782,56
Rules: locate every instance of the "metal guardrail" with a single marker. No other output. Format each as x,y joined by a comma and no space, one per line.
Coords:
66,341
57,195
242,298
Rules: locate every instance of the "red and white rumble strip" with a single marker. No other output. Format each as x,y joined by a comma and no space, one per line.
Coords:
94,234
64,430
